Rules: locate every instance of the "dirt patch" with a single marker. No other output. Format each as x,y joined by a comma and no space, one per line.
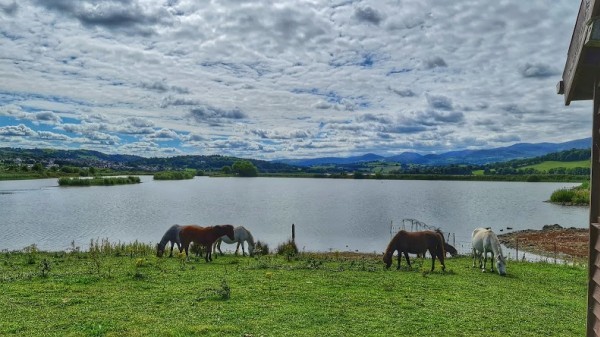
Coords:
552,239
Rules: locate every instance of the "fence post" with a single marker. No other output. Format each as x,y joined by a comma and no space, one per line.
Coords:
517,247
293,233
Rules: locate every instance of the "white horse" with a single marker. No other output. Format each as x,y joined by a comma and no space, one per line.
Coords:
240,234
485,241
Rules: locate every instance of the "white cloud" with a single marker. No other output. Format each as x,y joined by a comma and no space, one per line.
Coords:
262,79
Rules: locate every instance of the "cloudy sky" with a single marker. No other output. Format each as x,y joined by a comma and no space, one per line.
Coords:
285,79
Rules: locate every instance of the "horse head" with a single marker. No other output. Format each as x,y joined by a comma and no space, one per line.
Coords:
387,259
501,264
159,250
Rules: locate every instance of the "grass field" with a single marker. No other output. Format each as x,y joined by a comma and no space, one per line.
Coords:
545,166
133,293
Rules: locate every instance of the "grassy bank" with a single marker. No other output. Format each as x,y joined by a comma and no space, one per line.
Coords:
578,195
127,291
98,181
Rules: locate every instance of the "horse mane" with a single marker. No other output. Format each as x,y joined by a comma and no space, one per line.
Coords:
250,237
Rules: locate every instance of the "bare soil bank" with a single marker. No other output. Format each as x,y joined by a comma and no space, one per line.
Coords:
552,239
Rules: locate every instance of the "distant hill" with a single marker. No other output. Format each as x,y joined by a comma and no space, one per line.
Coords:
477,157
83,158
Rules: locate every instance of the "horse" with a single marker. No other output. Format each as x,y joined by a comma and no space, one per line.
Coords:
415,242
240,234
172,234
448,248
485,241
203,236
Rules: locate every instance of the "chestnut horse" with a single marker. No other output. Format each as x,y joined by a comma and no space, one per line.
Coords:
415,242
203,236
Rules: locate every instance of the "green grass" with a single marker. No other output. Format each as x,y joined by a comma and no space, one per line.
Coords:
98,181
578,195
547,165
175,175
127,291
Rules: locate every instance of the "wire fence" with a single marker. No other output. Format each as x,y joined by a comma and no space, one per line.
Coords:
463,246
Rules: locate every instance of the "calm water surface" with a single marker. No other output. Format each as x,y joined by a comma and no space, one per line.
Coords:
329,214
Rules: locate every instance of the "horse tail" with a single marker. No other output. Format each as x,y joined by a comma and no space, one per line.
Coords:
443,242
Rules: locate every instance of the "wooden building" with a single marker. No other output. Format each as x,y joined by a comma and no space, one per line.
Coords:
581,81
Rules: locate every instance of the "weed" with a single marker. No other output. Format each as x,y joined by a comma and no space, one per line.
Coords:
261,248
44,268
221,293
287,249
31,253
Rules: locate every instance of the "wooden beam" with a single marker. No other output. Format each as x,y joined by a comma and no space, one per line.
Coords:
594,210
577,81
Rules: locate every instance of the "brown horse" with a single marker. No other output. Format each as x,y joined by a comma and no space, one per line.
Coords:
203,236
413,243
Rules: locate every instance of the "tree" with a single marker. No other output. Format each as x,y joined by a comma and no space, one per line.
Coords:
226,169
244,168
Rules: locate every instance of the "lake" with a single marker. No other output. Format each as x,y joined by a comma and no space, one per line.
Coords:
329,214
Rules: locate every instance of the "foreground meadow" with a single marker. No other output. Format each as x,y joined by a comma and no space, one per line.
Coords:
128,291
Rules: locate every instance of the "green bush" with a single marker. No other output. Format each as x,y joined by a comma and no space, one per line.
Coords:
288,249
98,181
579,195
175,175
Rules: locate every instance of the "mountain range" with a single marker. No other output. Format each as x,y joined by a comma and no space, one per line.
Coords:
478,157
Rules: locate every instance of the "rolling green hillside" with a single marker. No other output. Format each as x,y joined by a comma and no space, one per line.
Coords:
547,165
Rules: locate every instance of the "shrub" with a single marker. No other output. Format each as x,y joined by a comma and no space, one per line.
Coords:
261,248
288,249
579,195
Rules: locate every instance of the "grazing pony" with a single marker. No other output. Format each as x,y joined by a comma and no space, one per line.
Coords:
485,241
448,248
240,234
172,234
415,242
203,236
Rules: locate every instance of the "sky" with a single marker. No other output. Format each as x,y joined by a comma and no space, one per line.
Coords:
285,79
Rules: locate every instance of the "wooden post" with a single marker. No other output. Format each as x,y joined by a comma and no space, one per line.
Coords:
517,247
594,209
555,252
293,233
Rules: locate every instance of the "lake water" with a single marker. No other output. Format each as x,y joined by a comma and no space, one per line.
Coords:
329,214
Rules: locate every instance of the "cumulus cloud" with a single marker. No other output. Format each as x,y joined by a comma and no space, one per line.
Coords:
402,92
9,7
439,102
129,17
46,117
433,62
307,78
17,130
210,113
368,14
537,70
164,135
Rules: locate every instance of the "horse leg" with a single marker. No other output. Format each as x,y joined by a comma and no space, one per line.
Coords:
243,251
407,260
186,247
484,259
219,247
237,248
441,257
433,254
172,244
492,260
399,259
